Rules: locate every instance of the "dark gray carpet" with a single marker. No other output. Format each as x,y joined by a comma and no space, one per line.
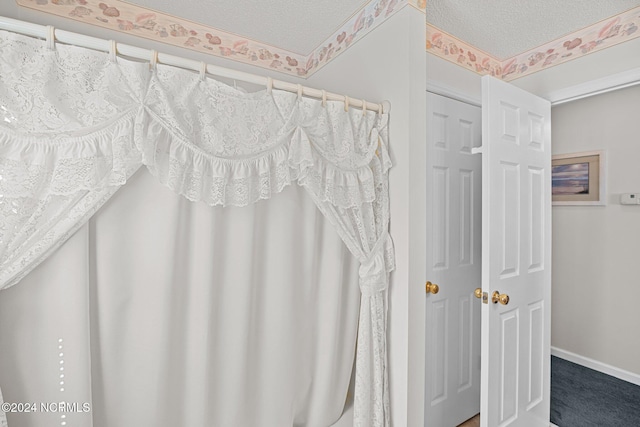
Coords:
582,397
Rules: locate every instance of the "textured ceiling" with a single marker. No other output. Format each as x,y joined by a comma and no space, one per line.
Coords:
505,28
297,26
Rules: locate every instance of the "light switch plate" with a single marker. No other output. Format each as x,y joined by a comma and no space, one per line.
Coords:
630,199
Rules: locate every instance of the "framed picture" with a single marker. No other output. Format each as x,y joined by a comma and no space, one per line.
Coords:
578,178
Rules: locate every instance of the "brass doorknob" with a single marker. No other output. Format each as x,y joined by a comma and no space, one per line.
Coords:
432,288
478,292
501,298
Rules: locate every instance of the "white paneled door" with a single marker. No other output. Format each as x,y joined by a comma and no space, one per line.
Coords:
516,263
453,262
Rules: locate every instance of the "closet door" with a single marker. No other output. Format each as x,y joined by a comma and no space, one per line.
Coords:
516,256
452,363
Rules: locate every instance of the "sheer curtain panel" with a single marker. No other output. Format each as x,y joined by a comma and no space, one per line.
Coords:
76,124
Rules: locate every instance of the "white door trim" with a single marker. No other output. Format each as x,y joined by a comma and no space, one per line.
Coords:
449,92
595,87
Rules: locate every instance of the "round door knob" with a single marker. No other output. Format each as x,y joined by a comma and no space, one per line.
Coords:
432,288
497,297
478,292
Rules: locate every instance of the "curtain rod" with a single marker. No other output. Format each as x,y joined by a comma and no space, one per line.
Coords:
68,37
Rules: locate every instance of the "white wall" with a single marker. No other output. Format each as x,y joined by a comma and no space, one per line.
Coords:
454,78
596,250
387,64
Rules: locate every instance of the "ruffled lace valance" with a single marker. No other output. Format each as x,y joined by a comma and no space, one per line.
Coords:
75,124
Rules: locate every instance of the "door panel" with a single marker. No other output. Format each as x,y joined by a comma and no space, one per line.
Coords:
453,262
440,228
516,209
467,228
536,358
439,359
509,325
466,352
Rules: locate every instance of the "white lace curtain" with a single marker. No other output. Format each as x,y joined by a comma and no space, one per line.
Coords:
75,124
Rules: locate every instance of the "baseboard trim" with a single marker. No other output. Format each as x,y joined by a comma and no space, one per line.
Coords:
596,366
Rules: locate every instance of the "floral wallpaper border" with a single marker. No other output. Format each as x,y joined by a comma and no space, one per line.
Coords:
139,21
461,53
368,18
419,4
601,35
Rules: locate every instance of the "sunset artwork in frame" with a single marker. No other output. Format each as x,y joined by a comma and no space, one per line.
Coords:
578,178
